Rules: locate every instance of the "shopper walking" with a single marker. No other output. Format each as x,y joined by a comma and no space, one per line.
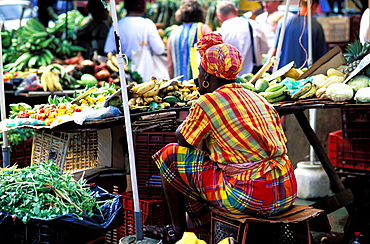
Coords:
239,32
365,26
180,46
131,28
268,21
231,153
295,42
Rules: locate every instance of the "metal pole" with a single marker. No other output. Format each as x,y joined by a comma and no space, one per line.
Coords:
5,148
121,61
312,112
281,37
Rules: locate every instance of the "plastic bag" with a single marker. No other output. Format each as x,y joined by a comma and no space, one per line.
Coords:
95,114
30,83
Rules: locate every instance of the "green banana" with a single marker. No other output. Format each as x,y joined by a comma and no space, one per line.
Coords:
32,61
40,34
46,43
171,99
274,87
277,99
36,24
304,89
274,94
49,54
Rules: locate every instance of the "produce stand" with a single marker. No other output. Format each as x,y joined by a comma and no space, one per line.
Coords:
342,197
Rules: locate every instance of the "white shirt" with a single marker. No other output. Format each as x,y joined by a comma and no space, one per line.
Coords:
364,27
235,31
268,24
131,32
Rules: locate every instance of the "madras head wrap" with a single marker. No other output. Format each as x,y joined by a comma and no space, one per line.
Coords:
218,58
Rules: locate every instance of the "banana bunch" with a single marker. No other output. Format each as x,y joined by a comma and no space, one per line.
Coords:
50,80
112,62
163,94
308,90
32,30
275,93
64,49
333,76
30,60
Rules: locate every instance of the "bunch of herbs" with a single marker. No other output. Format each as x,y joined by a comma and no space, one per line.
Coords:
41,191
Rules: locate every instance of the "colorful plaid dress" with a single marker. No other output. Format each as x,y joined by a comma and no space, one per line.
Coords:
240,128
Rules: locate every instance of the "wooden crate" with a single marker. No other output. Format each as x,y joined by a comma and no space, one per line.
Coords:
71,151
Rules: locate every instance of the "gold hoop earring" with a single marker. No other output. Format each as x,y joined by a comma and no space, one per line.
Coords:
203,84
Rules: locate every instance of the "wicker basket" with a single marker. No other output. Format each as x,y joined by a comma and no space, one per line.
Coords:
70,151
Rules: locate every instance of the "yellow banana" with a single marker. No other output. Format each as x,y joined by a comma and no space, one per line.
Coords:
139,101
147,86
332,79
114,61
43,81
56,81
49,81
311,93
132,101
152,92
111,66
157,99
302,91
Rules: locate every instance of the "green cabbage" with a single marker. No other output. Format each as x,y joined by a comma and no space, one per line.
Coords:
339,92
363,95
359,81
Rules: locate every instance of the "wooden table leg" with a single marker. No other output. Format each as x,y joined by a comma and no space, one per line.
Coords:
336,183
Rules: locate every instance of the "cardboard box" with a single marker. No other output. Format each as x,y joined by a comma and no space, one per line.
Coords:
332,59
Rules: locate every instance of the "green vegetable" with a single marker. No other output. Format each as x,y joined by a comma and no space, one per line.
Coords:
339,92
359,81
17,136
363,95
41,191
88,80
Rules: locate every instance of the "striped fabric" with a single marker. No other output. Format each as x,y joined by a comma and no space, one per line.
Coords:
181,40
217,58
239,126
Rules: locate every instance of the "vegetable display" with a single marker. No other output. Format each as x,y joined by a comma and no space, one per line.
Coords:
41,191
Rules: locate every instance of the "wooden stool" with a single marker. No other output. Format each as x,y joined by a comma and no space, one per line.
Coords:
291,226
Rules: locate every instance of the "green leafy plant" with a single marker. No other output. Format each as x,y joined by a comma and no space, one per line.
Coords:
16,136
41,191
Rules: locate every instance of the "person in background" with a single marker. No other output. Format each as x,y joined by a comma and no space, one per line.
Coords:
131,29
231,154
295,42
365,26
182,39
93,34
43,12
236,31
268,21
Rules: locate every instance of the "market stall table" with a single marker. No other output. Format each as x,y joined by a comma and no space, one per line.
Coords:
342,197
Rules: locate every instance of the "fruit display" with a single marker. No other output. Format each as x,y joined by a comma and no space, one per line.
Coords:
289,87
160,94
59,108
33,45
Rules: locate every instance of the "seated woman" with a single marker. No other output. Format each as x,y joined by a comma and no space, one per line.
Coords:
231,153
